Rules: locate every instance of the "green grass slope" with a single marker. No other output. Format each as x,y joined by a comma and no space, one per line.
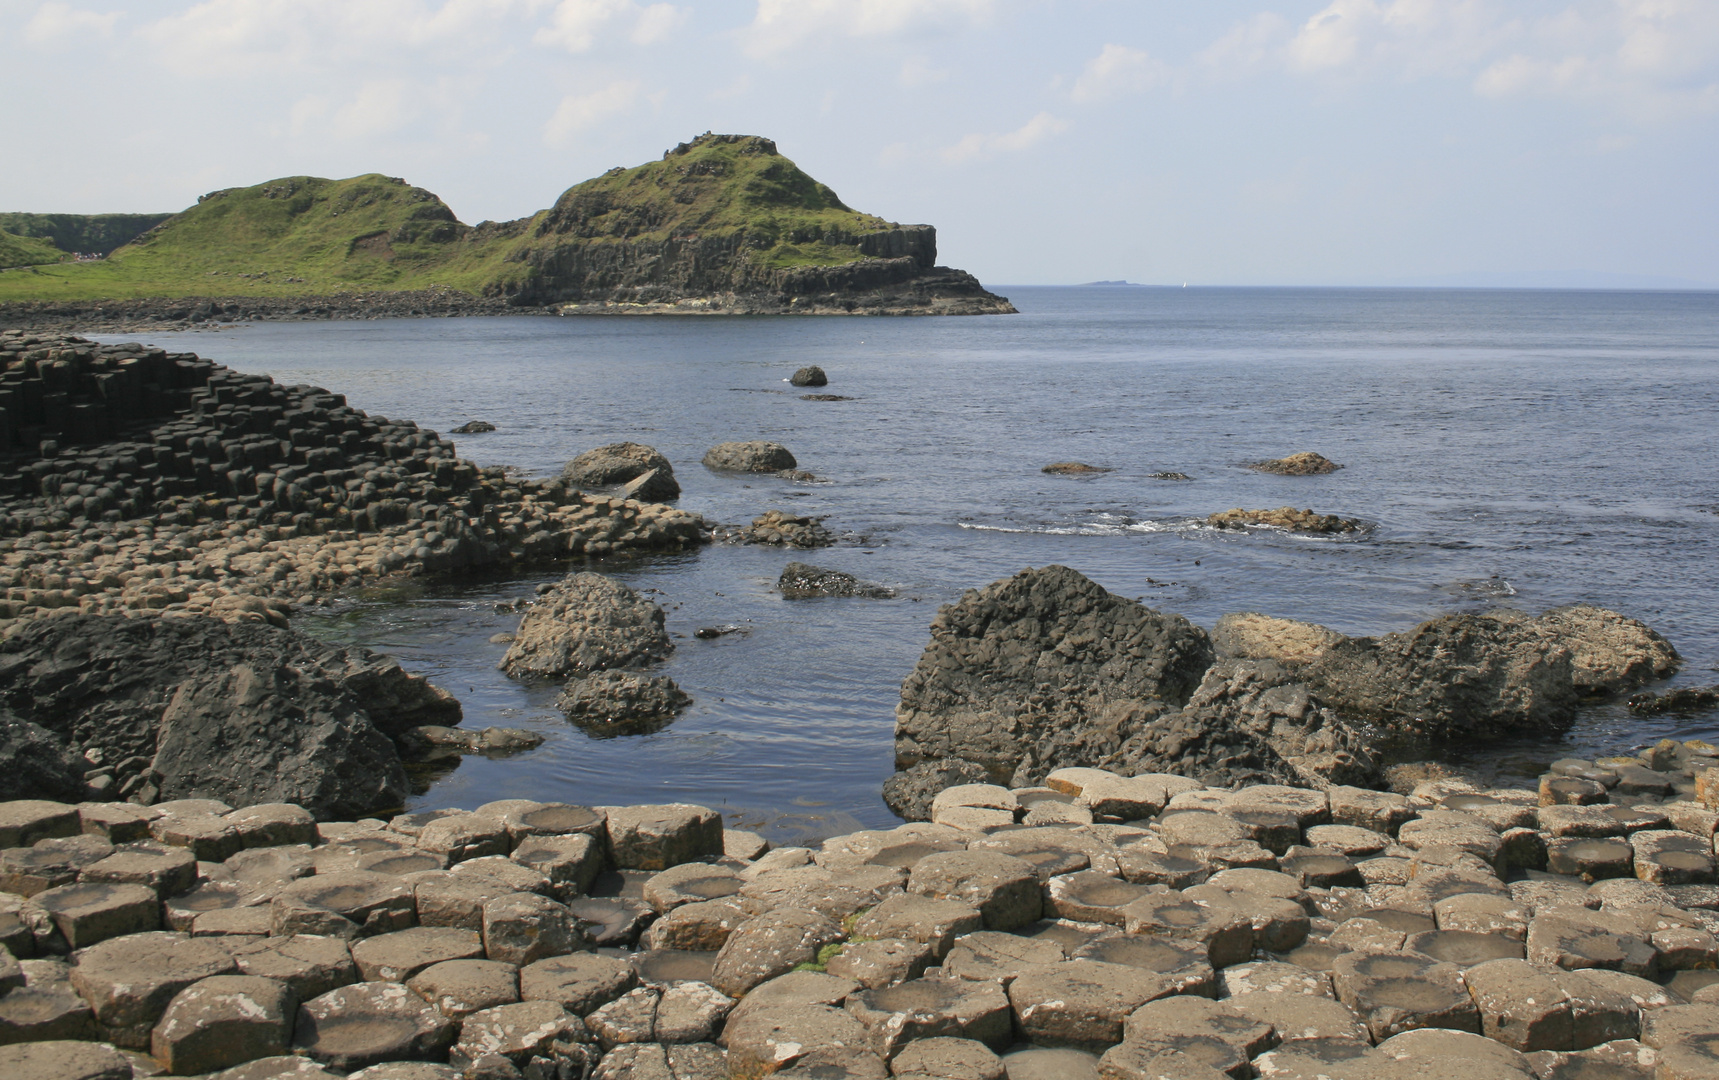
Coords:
713,186
306,236
90,233
27,251
296,236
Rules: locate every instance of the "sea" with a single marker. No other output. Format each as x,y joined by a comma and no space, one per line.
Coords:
1504,448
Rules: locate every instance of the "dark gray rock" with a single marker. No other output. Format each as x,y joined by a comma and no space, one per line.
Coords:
755,457
586,623
621,702
1251,723
800,581
623,463
34,764
811,375
473,427
273,734
1458,675
1045,669
106,682
909,793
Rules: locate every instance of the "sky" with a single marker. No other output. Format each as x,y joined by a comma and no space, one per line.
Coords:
1225,142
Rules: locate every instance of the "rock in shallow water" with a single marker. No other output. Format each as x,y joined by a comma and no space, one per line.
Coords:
621,702
1306,463
800,580
752,457
624,463
586,623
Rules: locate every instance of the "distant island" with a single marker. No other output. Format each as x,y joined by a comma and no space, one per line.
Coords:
723,224
1111,284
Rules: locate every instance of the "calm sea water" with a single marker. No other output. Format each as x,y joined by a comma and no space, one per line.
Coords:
1526,448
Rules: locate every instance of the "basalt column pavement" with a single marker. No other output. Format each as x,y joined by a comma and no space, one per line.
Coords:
1097,926
137,480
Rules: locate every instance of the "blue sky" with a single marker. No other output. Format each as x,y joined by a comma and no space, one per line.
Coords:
1348,142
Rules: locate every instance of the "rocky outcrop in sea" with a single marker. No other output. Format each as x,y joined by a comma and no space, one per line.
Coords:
1047,670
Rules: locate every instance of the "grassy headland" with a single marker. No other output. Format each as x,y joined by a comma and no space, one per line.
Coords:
303,236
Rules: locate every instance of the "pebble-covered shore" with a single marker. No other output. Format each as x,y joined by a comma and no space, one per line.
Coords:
1098,926
133,479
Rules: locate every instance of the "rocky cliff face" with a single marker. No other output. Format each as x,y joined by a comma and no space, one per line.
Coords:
725,223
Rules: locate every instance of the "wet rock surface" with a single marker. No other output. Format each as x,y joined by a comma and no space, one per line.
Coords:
1306,463
1287,518
800,581
1339,932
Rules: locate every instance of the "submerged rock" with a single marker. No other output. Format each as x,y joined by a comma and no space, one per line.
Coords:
1285,517
1074,468
800,581
1047,660
621,702
753,457
584,623
1683,699
473,427
648,473
811,375
782,529
1306,463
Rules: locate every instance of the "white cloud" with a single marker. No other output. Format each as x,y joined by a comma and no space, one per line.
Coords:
1028,135
379,107
779,25
1117,69
919,71
243,36
1651,59
577,112
575,25
657,22
57,20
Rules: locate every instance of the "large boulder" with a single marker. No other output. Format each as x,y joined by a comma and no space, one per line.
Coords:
1609,652
34,764
624,463
1459,675
754,457
1045,667
1251,723
621,702
586,623
310,724
260,733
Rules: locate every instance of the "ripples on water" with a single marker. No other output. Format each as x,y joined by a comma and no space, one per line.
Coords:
1528,448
